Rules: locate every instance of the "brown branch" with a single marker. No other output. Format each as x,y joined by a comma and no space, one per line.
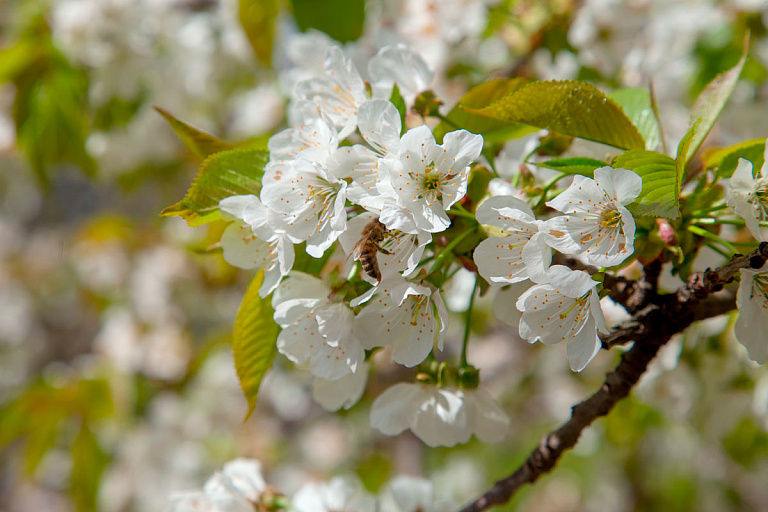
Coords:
650,329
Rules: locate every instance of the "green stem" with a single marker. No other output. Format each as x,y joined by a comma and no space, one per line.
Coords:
446,120
467,321
548,186
713,237
448,248
709,221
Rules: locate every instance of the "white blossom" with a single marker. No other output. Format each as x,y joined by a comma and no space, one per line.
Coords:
597,222
748,196
429,178
338,93
237,488
408,316
521,251
411,494
564,308
439,416
345,392
312,136
401,65
752,301
315,330
255,240
310,201
339,494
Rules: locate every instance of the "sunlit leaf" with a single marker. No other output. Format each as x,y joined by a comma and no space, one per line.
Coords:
683,149
88,463
659,197
227,173
574,165
725,160
568,107
200,143
636,103
399,102
343,20
254,342
708,106
257,17
492,130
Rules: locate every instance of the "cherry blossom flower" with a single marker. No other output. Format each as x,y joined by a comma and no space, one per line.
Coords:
345,392
522,251
408,316
311,136
748,196
255,240
439,416
338,93
237,488
564,308
339,494
310,201
402,65
597,222
316,331
411,494
430,178
752,301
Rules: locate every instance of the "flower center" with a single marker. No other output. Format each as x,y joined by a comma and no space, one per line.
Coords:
610,218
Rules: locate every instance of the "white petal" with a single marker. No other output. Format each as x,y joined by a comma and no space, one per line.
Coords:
380,125
621,185
402,65
490,423
345,392
583,347
395,409
752,323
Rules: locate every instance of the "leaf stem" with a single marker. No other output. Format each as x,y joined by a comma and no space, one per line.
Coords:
467,321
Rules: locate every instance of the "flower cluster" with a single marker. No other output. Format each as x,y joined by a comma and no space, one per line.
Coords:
381,198
240,486
563,304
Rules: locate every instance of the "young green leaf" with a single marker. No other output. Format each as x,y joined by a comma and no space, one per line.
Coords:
88,463
200,143
683,149
492,130
708,106
578,109
725,160
399,102
227,173
574,165
636,103
254,342
257,17
659,197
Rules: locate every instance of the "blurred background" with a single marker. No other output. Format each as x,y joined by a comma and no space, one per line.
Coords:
117,386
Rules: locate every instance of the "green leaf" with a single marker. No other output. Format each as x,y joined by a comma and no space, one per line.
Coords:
227,173
708,106
636,103
659,197
492,130
399,102
88,463
343,20
683,149
725,160
257,17
577,109
254,340
574,165
200,143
